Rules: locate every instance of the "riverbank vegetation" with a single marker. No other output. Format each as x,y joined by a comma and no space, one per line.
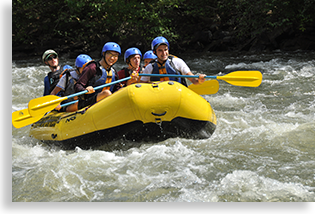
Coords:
195,25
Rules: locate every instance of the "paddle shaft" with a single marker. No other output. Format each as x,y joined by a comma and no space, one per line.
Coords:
237,78
69,103
98,87
56,100
175,75
195,76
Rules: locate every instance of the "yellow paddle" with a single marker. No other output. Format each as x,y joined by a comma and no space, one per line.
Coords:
23,118
237,78
243,78
39,106
208,87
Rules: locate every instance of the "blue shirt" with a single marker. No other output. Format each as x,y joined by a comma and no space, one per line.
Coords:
47,86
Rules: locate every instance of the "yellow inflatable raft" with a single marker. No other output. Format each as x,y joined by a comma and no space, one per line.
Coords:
138,112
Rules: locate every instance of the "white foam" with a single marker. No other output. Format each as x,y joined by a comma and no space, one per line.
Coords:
250,186
262,148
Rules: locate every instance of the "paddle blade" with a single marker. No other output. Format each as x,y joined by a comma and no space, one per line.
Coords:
41,105
208,87
22,118
243,78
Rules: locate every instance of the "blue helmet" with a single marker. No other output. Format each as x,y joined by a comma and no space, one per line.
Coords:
159,41
111,46
81,60
149,55
132,51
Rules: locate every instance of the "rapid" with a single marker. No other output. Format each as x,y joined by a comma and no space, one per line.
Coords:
263,149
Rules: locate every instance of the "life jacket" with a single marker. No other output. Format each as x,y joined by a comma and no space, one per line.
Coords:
69,87
167,67
70,81
53,78
102,77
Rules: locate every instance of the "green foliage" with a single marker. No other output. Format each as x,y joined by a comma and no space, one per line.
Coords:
251,18
87,19
37,22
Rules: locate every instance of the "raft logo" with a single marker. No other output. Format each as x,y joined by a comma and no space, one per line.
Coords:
71,119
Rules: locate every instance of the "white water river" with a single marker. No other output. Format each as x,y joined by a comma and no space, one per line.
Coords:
263,149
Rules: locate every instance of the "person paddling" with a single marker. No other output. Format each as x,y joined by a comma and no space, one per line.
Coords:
166,64
70,73
133,58
95,74
50,58
69,78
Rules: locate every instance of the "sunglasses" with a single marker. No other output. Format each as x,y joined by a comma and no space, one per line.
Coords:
52,57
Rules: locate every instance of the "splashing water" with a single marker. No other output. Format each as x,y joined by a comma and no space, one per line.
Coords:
262,150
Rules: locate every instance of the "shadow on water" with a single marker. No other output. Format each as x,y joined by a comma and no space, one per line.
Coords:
110,146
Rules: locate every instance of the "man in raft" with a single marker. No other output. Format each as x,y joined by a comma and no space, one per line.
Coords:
50,58
166,64
68,79
98,73
132,58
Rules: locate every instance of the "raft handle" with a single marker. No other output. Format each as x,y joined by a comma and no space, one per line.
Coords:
53,136
155,114
155,85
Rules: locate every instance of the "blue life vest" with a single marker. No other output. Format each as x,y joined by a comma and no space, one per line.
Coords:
102,77
166,68
50,82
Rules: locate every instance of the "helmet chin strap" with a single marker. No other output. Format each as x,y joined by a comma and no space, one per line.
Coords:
106,63
133,68
54,67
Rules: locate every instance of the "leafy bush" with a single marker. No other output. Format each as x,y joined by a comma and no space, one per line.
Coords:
36,22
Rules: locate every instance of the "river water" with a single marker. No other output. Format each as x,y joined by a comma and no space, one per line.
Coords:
263,149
